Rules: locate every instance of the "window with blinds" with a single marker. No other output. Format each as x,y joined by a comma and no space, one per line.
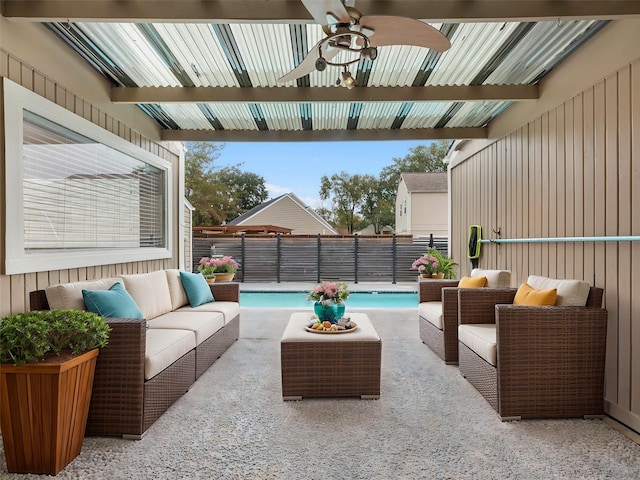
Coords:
78,195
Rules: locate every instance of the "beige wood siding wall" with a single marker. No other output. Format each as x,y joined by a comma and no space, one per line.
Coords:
14,289
573,171
288,214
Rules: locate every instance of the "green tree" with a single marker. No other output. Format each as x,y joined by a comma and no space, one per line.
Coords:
245,190
218,194
346,193
378,208
420,159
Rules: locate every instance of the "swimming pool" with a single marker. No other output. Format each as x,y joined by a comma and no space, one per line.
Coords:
356,299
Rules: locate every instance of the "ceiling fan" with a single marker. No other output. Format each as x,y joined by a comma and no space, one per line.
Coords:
347,30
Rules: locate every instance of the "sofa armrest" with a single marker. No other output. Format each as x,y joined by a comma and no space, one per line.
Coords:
117,398
226,291
450,309
551,356
431,290
477,305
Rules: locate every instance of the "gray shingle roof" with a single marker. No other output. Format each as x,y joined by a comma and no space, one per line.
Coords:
425,182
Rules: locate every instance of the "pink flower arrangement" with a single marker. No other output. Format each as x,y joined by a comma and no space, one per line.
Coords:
329,292
426,264
208,266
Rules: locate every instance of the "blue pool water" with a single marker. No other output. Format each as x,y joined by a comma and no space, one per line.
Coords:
356,299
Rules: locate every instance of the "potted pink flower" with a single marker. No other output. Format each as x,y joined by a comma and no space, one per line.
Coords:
426,265
221,268
329,300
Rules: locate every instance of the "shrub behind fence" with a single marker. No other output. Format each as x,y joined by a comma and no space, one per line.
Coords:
302,258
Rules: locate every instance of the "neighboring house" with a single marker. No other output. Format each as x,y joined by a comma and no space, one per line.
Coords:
371,230
422,205
286,211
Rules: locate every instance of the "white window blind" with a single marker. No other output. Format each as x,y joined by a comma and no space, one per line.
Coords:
81,194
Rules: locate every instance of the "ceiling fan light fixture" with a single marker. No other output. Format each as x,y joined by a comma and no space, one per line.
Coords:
347,80
370,53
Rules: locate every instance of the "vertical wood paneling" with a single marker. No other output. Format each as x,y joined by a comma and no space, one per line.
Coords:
574,171
551,166
634,206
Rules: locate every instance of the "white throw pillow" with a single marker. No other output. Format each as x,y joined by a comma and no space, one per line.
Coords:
495,278
179,296
68,296
571,293
150,292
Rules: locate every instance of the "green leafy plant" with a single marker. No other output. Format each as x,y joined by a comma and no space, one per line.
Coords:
445,265
27,337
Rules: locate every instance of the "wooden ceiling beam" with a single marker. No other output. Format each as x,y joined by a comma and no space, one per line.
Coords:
279,11
323,94
322,135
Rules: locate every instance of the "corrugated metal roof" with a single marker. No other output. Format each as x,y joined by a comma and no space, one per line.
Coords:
255,55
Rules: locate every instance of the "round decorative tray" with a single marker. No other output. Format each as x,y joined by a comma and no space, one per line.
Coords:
354,326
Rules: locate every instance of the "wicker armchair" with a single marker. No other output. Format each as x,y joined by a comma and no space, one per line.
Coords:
549,361
438,312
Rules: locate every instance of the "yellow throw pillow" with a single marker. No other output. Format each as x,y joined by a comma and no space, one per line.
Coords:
529,296
472,282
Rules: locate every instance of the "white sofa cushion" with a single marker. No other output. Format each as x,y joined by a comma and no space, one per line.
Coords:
571,293
68,296
431,312
495,278
150,292
163,347
481,338
203,324
230,310
177,292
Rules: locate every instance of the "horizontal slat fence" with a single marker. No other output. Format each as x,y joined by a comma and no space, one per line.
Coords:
292,258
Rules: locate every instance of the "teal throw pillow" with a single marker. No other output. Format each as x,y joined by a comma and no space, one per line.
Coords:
115,302
197,288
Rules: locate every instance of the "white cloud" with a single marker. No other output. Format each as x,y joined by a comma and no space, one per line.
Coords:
277,190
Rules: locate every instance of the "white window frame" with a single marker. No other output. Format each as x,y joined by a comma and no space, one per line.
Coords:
16,260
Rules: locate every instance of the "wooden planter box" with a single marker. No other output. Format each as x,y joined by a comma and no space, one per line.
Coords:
43,411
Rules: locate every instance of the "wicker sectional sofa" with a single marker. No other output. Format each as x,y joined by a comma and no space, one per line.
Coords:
150,362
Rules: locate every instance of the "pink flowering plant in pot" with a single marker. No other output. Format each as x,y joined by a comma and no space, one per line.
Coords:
209,266
328,292
329,298
427,264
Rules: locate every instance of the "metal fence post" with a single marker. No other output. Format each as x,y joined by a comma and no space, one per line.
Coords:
393,258
319,259
355,257
278,257
242,254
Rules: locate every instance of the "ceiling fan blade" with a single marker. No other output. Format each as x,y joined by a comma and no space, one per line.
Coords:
308,63
319,8
389,30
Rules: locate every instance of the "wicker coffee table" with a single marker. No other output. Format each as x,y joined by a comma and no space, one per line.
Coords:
330,364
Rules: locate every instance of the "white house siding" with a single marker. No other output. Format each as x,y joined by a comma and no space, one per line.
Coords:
402,199
428,213
571,171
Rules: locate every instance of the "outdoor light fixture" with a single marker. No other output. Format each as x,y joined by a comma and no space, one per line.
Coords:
347,80
343,39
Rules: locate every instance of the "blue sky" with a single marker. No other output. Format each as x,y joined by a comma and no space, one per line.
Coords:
297,167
